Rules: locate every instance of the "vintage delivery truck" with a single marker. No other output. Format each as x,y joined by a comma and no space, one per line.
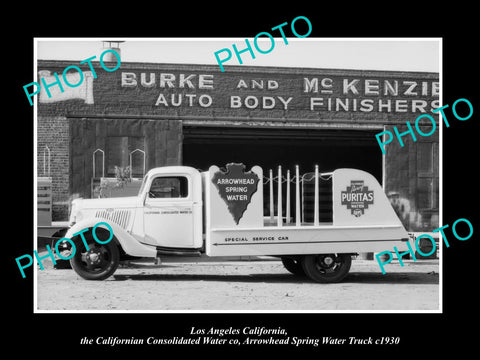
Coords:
180,210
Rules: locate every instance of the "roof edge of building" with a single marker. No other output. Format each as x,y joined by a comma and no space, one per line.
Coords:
253,69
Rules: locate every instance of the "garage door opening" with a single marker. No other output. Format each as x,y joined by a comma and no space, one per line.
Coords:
268,148
329,149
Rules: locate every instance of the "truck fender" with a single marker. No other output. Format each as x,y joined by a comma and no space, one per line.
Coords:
129,244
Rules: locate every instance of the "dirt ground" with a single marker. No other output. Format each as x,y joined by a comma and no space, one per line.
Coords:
240,285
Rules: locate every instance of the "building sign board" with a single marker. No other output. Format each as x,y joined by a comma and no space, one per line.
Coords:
202,90
332,93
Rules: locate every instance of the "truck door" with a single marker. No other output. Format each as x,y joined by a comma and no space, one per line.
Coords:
169,212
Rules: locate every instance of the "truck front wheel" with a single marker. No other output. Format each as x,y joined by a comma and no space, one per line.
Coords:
327,268
97,263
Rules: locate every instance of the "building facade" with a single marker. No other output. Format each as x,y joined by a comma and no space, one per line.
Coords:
145,115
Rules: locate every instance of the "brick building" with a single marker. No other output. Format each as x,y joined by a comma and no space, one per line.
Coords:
148,115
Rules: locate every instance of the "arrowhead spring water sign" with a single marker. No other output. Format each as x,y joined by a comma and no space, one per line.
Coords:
236,187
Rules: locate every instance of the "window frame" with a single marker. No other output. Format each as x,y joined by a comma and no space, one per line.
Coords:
432,175
164,176
132,143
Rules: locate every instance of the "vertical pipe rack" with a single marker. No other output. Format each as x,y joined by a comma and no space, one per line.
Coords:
272,215
279,198
297,196
287,205
315,206
299,216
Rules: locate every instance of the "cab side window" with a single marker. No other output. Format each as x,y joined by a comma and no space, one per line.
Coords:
169,187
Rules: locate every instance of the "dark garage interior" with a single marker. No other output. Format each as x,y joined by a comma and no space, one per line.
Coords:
271,147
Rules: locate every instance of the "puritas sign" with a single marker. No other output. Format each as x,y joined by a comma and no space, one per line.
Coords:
286,92
357,197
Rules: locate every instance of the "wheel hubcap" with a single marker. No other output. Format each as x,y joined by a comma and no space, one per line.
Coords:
93,257
328,261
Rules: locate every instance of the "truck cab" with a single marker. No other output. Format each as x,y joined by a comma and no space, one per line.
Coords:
171,215
166,213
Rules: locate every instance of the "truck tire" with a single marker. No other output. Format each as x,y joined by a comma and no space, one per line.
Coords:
327,268
293,265
98,263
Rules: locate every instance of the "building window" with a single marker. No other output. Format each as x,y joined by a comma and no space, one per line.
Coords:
118,154
169,187
427,181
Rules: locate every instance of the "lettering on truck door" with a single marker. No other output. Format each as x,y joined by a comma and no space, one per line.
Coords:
168,212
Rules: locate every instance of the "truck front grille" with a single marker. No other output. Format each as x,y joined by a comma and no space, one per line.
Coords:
119,217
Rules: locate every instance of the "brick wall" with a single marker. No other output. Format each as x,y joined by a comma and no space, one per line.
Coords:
52,131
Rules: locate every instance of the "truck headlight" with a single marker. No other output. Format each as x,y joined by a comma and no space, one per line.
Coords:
72,220
74,213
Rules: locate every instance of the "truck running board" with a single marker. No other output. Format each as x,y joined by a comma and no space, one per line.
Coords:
177,251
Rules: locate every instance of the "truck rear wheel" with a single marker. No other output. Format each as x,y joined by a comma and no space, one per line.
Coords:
327,268
98,263
293,265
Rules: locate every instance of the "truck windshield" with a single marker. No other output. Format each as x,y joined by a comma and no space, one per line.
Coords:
144,181
169,187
